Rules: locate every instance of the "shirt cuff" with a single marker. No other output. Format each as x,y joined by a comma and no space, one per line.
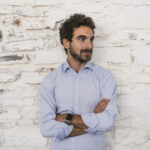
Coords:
66,130
91,120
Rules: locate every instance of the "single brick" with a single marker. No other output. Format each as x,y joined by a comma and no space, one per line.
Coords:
11,58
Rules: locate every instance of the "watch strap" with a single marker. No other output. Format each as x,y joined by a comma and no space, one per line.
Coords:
68,119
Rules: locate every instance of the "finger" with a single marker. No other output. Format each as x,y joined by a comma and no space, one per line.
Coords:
102,107
104,99
102,103
106,102
98,107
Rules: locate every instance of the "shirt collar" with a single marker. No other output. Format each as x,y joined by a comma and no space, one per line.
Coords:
88,65
66,66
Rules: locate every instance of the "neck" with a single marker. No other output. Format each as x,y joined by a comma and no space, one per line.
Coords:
77,66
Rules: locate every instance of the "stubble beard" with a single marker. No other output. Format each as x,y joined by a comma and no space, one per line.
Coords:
80,58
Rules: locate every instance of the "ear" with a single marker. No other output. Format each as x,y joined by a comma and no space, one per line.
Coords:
65,43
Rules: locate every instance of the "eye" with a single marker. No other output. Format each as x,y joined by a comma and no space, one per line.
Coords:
92,39
82,39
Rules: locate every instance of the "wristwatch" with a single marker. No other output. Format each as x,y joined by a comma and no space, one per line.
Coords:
68,119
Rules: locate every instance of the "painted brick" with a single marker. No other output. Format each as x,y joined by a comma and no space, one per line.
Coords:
135,16
31,45
117,55
13,59
26,11
56,55
20,137
11,20
6,10
13,34
141,55
6,77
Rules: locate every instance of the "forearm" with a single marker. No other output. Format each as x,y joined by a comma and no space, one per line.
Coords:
78,122
76,131
77,119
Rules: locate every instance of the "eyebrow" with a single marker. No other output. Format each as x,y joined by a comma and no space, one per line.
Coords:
83,36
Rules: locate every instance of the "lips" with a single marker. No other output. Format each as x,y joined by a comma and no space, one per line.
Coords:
87,53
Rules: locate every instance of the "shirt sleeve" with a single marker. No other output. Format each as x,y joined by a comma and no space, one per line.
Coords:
50,128
104,121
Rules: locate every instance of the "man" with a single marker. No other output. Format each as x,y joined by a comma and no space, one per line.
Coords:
77,99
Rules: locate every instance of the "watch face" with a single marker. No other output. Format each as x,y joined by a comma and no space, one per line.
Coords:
69,117
68,122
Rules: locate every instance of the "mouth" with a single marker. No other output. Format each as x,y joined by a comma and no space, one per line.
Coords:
86,52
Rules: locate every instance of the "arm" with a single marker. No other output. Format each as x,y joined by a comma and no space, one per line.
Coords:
103,121
77,121
76,131
103,117
50,128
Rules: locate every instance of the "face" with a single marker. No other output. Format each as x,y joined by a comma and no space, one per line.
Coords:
81,47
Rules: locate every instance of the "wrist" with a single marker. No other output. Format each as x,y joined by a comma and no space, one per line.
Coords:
68,119
73,119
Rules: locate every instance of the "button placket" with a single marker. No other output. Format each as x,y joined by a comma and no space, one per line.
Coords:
76,96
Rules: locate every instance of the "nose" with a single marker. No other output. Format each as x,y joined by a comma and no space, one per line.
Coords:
89,44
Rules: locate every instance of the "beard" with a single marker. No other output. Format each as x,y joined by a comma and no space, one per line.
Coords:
81,58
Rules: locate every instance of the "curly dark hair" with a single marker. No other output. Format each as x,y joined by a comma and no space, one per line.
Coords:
75,21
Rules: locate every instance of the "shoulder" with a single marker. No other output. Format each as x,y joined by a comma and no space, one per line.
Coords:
49,79
104,75
101,71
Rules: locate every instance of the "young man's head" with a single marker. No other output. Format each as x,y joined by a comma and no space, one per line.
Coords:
77,35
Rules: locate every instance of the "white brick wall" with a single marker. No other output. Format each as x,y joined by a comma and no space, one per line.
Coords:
30,48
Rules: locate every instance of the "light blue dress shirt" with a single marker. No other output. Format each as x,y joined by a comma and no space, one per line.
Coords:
66,91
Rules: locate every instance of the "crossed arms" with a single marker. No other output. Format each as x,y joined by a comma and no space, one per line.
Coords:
77,122
99,121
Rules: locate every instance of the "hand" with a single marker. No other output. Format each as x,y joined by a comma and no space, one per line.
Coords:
100,107
61,117
76,131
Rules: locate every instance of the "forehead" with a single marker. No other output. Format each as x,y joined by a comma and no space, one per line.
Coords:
83,30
